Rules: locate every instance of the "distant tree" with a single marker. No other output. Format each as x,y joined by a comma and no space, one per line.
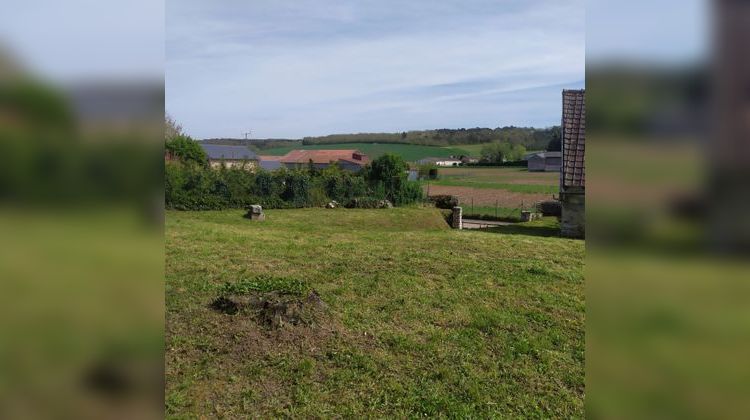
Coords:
387,176
403,135
387,167
186,149
492,153
555,144
502,152
171,127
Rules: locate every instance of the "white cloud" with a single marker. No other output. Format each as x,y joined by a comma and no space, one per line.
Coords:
314,69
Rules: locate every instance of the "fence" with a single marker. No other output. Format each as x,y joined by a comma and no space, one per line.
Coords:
494,211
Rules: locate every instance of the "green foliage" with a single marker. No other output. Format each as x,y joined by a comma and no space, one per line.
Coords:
555,143
191,186
549,208
502,152
444,201
365,203
387,176
186,149
265,283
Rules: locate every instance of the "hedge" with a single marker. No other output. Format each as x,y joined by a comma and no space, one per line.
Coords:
190,186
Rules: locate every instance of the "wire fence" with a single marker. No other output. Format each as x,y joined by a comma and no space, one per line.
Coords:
492,211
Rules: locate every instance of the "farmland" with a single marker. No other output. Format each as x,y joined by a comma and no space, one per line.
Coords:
481,189
475,150
410,152
418,319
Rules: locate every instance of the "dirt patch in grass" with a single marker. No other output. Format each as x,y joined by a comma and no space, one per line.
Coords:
273,310
488,197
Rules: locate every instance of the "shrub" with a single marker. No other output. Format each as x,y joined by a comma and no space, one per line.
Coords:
444,201
388,178
549,208
367,203
186,149
192,186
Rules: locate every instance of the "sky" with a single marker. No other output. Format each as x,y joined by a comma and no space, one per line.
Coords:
76,41
313,67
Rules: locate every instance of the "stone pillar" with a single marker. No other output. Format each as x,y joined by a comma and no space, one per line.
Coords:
456,222
573,219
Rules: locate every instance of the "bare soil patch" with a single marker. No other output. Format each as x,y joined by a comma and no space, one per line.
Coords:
488,197
273,310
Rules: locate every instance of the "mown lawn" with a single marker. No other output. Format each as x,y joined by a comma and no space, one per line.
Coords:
420,320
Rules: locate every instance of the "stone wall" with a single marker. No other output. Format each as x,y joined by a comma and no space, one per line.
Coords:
573,220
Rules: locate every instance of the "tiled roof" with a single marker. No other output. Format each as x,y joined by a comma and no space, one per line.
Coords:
321,156
574,138
220,151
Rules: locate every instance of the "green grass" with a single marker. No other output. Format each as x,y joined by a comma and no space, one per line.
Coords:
521,188
503,178
421,320
500,212
475,150
410,152
547,226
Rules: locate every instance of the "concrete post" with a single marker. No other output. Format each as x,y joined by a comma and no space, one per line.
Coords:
456,222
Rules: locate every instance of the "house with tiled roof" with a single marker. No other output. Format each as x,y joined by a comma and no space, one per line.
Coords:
573,168
230,156
348,159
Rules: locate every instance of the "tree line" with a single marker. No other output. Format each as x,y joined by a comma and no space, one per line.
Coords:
529,137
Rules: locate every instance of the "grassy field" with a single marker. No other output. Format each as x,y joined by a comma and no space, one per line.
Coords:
410,152
474,150
419,320
511,179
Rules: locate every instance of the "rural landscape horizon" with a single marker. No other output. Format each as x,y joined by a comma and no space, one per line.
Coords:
374,209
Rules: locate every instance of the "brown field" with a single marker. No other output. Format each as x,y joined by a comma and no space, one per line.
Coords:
488,196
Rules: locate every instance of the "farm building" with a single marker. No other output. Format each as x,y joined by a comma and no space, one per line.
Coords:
573,168
439,161
230,156
544,161
350,160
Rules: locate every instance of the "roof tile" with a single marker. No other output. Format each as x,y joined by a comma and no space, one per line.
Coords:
574,138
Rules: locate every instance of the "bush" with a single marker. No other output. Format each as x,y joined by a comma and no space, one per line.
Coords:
549,208
444,201
368,203
186,149
388,178
193,186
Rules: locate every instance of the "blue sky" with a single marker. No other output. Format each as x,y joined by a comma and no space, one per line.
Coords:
314,67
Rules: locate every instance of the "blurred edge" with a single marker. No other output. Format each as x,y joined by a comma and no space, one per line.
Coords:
81,250
668,325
